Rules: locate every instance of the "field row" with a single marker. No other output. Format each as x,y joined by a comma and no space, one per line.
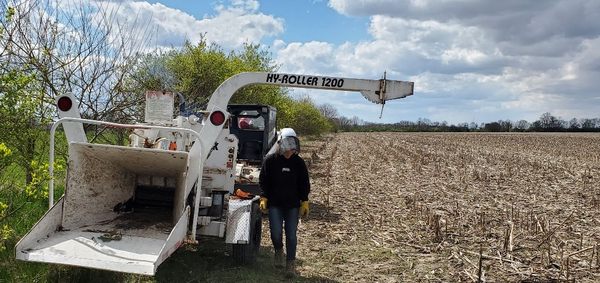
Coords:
424,206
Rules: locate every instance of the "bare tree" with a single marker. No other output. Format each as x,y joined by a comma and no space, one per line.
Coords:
522,125
506,126
549,122
328,111
66,46
473,126
574,124
74,46
343,123
357,121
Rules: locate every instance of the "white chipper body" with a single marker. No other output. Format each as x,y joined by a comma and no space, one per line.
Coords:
128,208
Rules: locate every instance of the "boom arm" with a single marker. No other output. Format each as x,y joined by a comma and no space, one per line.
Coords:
376,91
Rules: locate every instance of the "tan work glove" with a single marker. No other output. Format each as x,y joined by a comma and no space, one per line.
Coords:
304,208
263,204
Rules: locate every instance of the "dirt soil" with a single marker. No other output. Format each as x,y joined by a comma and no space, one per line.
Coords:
389,207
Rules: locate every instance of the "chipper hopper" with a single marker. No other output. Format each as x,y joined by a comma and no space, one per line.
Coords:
128,208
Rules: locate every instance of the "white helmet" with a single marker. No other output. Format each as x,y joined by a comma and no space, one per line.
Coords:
288,140
287,132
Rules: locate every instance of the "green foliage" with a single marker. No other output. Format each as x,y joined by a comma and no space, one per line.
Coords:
21,206
10,13
37,188
8,17
21,215
200,69
5,231
306,118
23,116
5,157
18,213
14,98
197,70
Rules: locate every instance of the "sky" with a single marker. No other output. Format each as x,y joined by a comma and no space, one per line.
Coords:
471,61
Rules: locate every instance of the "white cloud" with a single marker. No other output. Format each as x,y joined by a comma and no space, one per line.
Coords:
514,21
230,27
450,64
471,60
312,57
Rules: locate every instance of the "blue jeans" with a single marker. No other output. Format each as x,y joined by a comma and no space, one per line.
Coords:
277,218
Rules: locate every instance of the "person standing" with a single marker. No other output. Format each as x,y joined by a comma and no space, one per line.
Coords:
285,187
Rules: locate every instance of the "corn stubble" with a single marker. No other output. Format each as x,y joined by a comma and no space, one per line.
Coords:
452,207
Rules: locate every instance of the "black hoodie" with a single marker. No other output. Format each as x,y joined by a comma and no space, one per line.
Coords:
284,182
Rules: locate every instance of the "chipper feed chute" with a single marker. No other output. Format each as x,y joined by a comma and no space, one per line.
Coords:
117,213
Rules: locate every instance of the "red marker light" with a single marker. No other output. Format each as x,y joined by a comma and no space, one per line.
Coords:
217,118
64,103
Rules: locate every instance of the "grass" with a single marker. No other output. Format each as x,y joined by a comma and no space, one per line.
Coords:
210,261
207,262
21,214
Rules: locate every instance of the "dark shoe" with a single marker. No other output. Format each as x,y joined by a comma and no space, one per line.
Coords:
290,268
278,260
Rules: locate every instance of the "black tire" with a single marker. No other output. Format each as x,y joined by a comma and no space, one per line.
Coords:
246,253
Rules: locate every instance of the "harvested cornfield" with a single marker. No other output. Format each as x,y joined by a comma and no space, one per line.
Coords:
446,207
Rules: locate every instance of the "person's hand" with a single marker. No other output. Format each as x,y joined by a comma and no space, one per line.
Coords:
263,204
304,208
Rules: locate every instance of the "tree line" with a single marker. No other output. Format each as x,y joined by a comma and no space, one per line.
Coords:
546,123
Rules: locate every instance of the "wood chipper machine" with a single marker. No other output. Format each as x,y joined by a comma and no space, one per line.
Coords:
128,208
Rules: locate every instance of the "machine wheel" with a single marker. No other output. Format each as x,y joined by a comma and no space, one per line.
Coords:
246,253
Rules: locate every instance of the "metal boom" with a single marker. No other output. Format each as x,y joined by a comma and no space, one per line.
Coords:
376,91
